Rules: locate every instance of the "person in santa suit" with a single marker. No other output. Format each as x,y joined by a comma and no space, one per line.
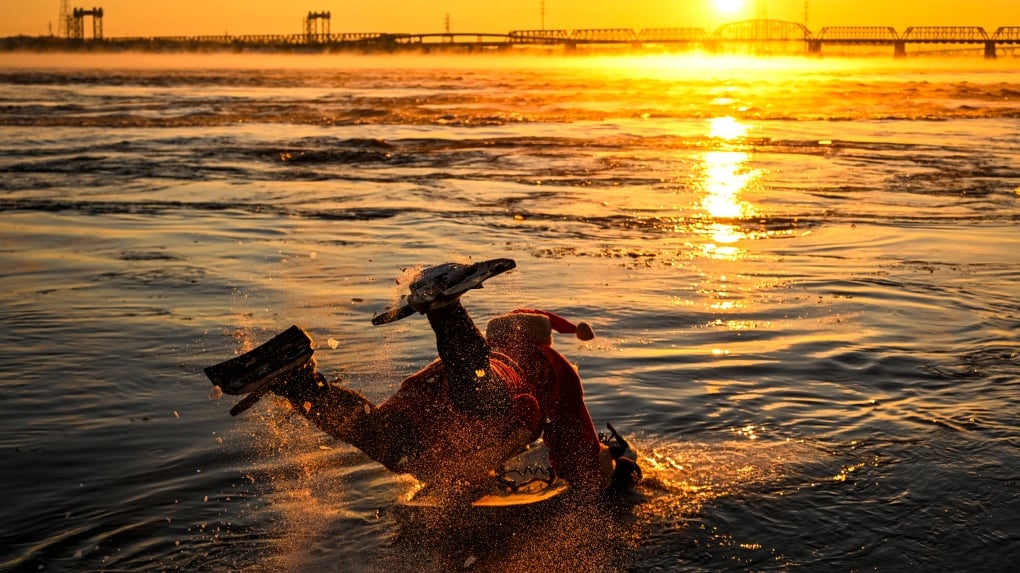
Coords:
483,400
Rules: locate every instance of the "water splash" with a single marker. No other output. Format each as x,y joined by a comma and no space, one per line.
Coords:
686,482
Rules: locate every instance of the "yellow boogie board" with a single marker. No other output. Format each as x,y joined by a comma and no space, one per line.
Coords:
530,493
533,492
524,479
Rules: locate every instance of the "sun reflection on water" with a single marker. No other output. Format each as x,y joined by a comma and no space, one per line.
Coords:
726,176
726,127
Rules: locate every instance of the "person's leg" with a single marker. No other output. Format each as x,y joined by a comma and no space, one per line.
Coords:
473,385
386,436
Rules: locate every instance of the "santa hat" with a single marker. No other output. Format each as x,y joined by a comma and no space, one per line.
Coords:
582,330
536,325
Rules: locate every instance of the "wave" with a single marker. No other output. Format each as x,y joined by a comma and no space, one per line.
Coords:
548,224
161,207
202,98
300,114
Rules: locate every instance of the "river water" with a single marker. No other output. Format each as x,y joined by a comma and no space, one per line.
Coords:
802,274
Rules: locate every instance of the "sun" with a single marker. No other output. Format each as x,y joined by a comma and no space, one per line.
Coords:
728,6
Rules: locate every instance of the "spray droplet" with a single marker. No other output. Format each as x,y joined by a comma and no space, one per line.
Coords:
307,406
205,499
470,561
480,373
176,415
333,343
216,393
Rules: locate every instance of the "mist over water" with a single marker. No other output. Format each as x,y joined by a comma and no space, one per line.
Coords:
801,272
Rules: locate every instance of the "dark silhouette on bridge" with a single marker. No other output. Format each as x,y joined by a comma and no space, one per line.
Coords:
317,27
759,34
76,23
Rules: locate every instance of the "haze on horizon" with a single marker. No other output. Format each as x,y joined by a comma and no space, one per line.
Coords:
127,18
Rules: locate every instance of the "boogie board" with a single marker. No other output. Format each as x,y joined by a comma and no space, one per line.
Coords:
497,496
533,492
524,479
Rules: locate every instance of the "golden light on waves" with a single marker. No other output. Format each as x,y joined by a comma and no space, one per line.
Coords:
726,128
725,176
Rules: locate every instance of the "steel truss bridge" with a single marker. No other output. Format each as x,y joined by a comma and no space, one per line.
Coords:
757,32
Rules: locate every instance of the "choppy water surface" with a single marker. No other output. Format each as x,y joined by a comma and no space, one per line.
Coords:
803,274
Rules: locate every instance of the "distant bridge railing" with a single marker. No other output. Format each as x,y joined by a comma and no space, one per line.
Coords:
855,34
939,34
748,32
608,35
604,35
261,39
1007,35
266,39
538,36
653,35
762,31
450,39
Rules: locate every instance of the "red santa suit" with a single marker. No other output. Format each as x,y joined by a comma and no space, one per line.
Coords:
547,401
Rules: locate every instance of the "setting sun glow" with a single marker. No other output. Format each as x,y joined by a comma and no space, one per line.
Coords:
728,6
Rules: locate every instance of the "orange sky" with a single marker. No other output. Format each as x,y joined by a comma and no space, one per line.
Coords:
204,17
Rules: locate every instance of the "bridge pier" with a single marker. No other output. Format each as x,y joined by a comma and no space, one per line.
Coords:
990,51
899,49
814,47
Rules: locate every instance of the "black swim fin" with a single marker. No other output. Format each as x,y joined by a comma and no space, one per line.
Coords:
253,373
439,285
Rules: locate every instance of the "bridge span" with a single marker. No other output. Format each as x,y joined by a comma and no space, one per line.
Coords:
757,33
